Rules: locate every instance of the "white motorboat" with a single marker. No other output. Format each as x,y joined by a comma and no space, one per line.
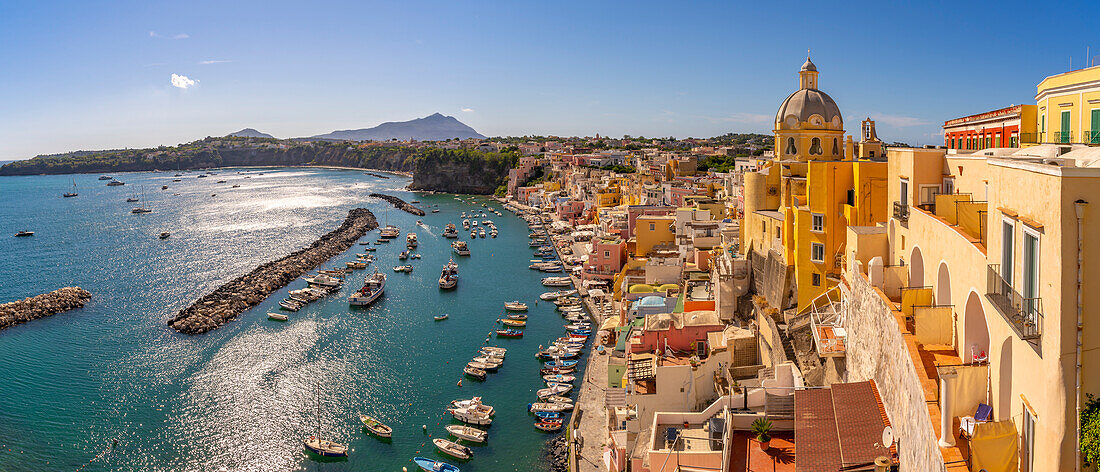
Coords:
461,248
474,404
410,240
471,416
515,306
390,232
277,317
453,449
549,407
371,290
468,433
324,281
557,281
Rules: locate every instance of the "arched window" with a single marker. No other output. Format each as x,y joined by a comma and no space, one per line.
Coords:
791,149
815,147
836,147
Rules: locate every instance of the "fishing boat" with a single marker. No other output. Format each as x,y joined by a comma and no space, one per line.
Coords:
23,234
515,306
452,449
509,333
517,316
559,378
441,317
552,354
410,239
557,281
324,280
407,268
471,416
559,399
561,363
448,277
501,350
371,290
165,235
71,193
515,323
431,465
449,231
390,232
376,427
277,317
474,372
548,426
554,389
324,447
468,433
483,366
460,248
548,415
474,403
290,305
356,264
548,407
115,183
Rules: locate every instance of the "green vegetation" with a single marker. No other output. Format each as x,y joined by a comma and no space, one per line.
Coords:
615,168
1090,432
762,428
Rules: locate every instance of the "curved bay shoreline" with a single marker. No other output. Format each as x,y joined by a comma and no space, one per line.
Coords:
231,299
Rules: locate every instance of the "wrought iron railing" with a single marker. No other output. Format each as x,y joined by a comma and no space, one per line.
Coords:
1024,314
1090,137
901,211
1062,137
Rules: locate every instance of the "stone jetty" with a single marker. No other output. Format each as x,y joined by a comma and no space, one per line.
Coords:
399,203
246,291
41,306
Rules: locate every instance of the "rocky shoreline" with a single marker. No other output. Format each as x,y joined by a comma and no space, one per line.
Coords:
226,302
41,306
399,203
556,454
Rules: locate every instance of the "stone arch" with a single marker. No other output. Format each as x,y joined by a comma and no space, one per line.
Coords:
916,268
975,334
943,284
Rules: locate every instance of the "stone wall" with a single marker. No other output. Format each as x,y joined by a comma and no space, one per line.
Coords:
877,351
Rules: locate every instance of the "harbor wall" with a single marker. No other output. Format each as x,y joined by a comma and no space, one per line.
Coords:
41,306
399,203
230,300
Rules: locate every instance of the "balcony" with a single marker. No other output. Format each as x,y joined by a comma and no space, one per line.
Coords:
1024,314
1090,137
901,211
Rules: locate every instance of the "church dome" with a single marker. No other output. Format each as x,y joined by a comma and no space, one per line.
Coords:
809,65
806,103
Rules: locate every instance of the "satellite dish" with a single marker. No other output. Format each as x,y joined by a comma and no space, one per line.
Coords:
887,437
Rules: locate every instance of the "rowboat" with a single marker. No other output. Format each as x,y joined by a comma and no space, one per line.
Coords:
515,306
483,366
559,399
554,389
548,415
548,407
511,322
290,305
548,426
509,333
474,372
501,350
324,447
441,317
403,268
376,427
562,363
468,433
277,317
431,465
556,370
559,378
453,449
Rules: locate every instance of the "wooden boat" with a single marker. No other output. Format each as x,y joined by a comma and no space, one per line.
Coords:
441,317
376,427
517,317
474,372
468,433
23,234
511,322
548,407
515,306
493,362
277,317
431,465
561,363
324,447
452,449
471,416
290,305
509,333
548,426
554,389
483,366
165,235
559,399
356,264
559,378
556,370
548,415
501,350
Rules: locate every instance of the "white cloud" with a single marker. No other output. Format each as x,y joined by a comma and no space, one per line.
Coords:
182,81
153,34
468,110
181,36
216,61
898,121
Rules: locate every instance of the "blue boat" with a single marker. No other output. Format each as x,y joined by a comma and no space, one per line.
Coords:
548,415
584,332
431,465
561,364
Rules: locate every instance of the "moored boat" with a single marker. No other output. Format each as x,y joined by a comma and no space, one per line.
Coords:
453,449
24,234
432,465
468,433
509,333
441,317
474,372
548,407
515,306
372,288
277,317
461,248
548,426
471,416
515,323
376,427
403,268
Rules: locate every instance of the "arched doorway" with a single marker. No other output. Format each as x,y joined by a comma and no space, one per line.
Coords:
943,285
975,334
916,268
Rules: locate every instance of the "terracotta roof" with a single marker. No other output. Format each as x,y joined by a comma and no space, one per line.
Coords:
838,427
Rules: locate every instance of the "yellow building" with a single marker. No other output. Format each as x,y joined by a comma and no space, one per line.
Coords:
652,230
799,204
1069,107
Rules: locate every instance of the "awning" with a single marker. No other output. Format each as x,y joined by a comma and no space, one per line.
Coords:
610,323
993,446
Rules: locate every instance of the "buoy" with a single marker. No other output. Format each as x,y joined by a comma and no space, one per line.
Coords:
404,469
460,383
424,426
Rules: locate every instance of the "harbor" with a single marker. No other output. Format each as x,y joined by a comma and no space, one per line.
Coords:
262,384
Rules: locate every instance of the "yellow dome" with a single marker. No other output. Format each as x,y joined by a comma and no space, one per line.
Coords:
641,288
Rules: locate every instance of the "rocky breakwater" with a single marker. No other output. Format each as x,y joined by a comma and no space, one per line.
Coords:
246,291
399,203
41,306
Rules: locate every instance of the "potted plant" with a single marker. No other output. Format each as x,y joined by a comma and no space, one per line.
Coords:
762,428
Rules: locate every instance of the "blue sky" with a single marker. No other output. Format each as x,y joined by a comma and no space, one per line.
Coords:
94,75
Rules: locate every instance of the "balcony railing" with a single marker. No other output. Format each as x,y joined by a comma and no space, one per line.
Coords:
1090,137
1024,314
901,211
1062,137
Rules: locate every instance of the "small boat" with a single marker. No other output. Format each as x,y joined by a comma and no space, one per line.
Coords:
501,350
431,465
164,187
561,363
548,415
390,232
23,234
441,317
324,280
115,183
236,186
165,235
516,316
474,372
468,433
474,403
435,210
325,448
559,378
555,389
557,281
460,248
483,366
470,416
559,399
105,177
515,306
221,182
71,193
290,305
492,361
356,264
453,449
372,288
369,248
403,268
410,239
277,317
548,426
557,370
509,333
548,407
511,322
404,255
376,427
450,231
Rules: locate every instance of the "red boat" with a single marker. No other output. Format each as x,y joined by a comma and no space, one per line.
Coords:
548,426
510,333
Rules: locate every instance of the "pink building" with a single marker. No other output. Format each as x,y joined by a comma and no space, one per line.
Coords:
606,259
570,210
678,331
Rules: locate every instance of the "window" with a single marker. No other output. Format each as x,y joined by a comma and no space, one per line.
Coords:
1027,448
1029,269
791,149
652,227
1063,133
607,254
1093,136
1014,140
817,252
1008,248
836,142
872,154
904,198
948,185
817,222
815,147
928,194
816,279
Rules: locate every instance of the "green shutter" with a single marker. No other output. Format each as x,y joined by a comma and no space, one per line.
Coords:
1064,131
1094,134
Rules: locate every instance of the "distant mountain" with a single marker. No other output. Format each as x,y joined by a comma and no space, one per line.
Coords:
249,133
435,127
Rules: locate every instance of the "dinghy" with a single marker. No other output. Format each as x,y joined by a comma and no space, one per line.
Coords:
431,465
376,427
468,433
453,449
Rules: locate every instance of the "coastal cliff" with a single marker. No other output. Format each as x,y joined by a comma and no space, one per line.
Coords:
226,302
41,306
433,169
